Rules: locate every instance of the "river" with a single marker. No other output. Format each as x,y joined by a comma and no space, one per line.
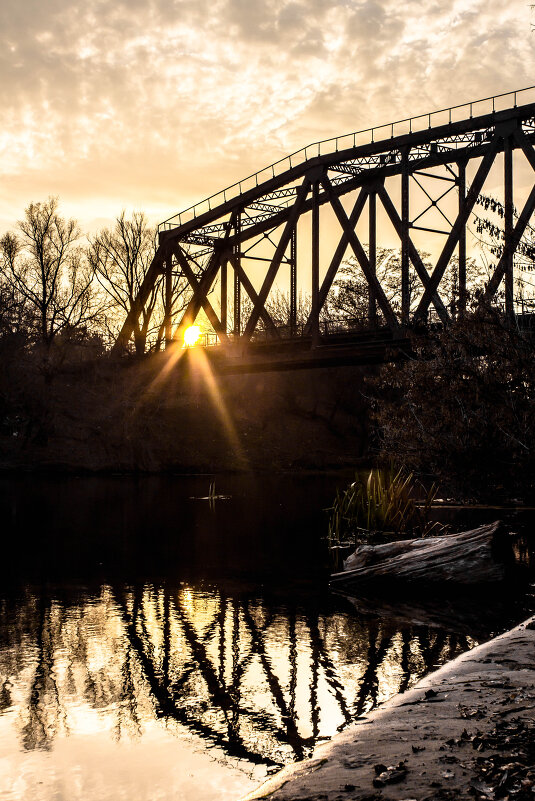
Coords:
174,637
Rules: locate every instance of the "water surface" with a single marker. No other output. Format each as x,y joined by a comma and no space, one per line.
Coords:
158,644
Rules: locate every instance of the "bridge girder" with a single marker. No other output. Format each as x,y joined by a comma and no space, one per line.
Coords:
271,210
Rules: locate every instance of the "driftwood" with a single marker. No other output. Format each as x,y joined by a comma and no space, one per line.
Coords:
479,556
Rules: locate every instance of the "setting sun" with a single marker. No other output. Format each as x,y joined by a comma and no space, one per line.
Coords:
191,335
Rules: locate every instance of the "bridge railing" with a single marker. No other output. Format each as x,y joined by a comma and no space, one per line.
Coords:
475,108
330,327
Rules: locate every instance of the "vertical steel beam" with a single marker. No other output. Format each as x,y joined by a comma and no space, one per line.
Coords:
508,233
405,224
168,300
224,274
416,259
253,296
291,222
237,284
460,223
520,226
315,264
372,255
293,283
358,250
341,248
523,218
461,182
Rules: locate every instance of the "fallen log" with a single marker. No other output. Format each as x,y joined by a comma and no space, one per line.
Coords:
480,556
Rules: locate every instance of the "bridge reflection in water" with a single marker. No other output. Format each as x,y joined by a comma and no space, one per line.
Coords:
253,680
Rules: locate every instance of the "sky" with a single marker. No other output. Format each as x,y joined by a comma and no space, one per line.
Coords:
155,105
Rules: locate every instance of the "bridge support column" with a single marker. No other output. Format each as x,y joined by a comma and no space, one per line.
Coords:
315,264
168,273
508,222
224,275
462,241
237,284
372,255
293,283
405,223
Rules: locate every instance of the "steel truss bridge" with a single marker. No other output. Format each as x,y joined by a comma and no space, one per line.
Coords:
256,227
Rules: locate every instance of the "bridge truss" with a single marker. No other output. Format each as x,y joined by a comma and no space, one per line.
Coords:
254,229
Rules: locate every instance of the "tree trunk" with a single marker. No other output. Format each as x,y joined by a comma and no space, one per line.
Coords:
480,556
139,341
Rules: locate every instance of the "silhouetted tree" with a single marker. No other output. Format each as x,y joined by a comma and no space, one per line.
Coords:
490,231
464,410
278,306
46,272
349,295
15,322
120,257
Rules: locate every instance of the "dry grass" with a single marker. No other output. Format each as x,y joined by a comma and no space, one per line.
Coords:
381,504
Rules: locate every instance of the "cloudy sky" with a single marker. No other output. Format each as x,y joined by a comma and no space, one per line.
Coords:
153,105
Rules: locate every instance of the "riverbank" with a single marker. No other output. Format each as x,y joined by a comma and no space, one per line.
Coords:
151,415
465,731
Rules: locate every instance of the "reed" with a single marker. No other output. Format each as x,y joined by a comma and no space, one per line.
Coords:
212,495
379,505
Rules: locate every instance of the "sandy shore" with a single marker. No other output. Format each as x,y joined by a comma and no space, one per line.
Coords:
465,731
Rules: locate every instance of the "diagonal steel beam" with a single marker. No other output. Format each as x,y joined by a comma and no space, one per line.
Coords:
338,255
165,703
415,257
458,225
207,279
277,258
358,250
329,668
369,682
526,145
251,291
205,283
199,297
216,687
156,268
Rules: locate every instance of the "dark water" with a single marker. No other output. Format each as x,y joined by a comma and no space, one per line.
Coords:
156,643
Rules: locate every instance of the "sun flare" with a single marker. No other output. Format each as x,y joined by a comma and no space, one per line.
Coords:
192,335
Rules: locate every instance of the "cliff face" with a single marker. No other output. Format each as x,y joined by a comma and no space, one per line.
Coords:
151,415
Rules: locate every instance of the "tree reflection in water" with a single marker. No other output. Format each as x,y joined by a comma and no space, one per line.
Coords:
253,679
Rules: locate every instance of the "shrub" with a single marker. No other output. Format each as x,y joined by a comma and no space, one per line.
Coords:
463,411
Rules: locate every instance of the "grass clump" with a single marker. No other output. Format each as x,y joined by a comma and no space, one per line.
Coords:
381,505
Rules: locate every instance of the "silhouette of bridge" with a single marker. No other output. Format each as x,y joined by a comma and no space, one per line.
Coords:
408,174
